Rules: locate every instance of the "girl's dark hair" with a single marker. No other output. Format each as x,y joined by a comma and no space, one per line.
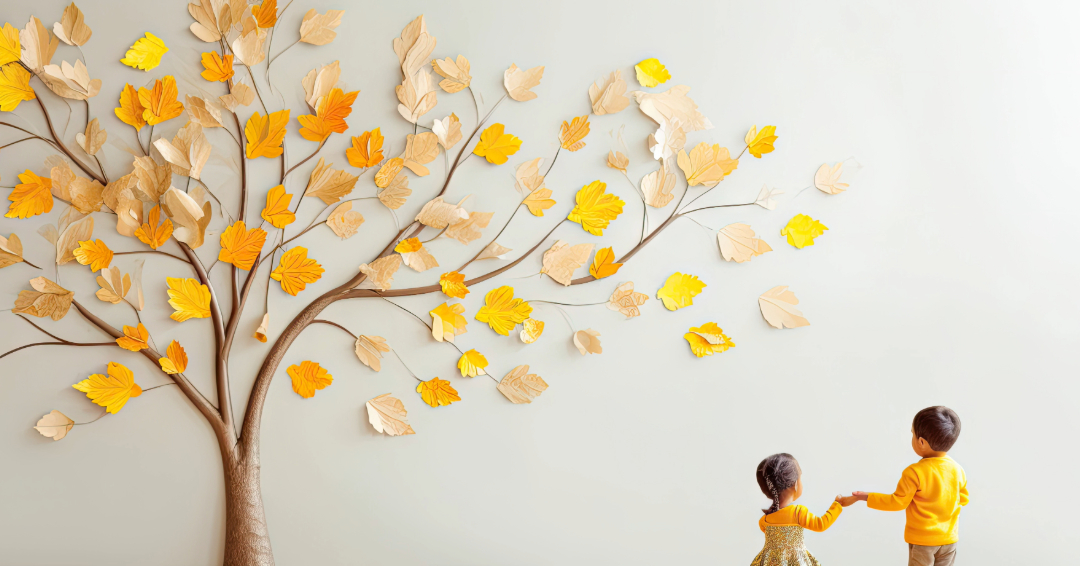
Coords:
775,474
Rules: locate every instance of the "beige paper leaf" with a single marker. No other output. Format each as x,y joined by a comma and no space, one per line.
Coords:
767,198
380,273
658,186
616,160
369,350
248,46
465,231
70,81
414,46
11,251
71,236
520,386
344,220
562,260
827,179
527,175
493,251
448,131
112,191
672,103
240,94
388,416
129,211
416,95
420,149
47,299
415,255
189,219
94,137
153,178
85,195
318,29
136,283
455,73
778,307
738,244
206,21
319,82
203,112
114,285
55,425
588,341
188,152
439,214
72,30
626,301
38,45
329,184
518,82
668,140
608,95
393,196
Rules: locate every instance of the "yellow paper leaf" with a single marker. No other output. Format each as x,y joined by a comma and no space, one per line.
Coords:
447,130
603,264
571,134
447,322
538,201
738,243
308,377
152,233
658,186
827,179
437,392
588,342
344,220
415,255
778,307
112,391
295,271
758,143
189,298
679,291
146,53
672,104
159,103
134,338
519,82
14,87
531,329
616,160
802,230
651,73
595,209
496,146
10,49
240,246
626,301
31,197
453,285
176,359
369,350
472,364
501,311
329,185
93,253
608,95
562,260
708,339
265,134
54,425
366,150
318,29
455,73
47,299
520,386
387,415
277,211
420,149
380,273
71,29
706,165
218,68
131,110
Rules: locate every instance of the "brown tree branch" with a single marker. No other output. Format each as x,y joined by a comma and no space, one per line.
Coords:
63,147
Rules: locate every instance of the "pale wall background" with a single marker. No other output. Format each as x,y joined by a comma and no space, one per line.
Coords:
946,278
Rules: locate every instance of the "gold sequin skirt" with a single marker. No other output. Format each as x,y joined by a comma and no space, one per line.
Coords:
784,547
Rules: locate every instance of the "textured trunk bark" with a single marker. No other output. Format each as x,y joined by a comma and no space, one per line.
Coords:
247,540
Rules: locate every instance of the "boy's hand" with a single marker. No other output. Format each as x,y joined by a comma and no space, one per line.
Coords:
846,501
860,495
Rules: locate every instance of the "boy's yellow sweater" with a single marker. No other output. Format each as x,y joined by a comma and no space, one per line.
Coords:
932,491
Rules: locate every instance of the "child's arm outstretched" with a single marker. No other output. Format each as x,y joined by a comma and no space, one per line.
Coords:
896,501
807,520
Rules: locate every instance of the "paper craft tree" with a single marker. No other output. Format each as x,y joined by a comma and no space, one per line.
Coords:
161,205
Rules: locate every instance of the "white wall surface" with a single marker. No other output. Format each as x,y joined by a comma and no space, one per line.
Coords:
947,277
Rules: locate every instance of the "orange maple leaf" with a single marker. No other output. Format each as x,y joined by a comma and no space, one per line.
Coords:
240,246
153,234
160,103
296,270
366,150
31,197
265,134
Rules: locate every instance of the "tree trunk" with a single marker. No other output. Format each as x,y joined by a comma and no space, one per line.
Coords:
247,540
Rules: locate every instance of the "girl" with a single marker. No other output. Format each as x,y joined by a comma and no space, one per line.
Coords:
780,479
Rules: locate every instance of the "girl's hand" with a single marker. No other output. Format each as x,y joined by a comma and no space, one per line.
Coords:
846,501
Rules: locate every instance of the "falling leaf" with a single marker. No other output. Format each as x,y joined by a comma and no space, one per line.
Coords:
189,298
159,103
54,425
658,186
175,360
595,209
11,251
679,291
778,307
571,134
218,68
14,87
761,142
626,301
248,46
455,73
668,140
603,264
318,29
706,165
538,201
393,196
240,246
265,134
152,233
708,339
439,214
453,285
502,311
519,82
827,179
10,49
146,53
112,391
134,338
437,392
47,299
608,95
70,237
802,230
588,342
277,211
616,160
651,72
188,152
131,110
308,377
38,45
737,243
417,96
387,415
472,364
189,220
420,149
329,184
265,14
468,230
319,82
767,197
344,220
531,329
94,253
263,329
366,150
31,197
415,255
94,137
493,251
495,146
562,260
369,350
447,322
447,130
295,271
114,286
670,104
381,271
71,29
520,386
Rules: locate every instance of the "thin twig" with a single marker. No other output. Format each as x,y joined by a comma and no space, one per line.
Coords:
332,323
153,252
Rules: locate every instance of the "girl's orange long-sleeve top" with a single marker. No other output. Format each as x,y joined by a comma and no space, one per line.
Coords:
800,515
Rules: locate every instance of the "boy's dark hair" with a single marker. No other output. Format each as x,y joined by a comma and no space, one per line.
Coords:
939,426
775,474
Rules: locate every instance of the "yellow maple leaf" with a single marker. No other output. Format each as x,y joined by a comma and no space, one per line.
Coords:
595,209
175,360
265,14
706,165
802,230
240,246
531,329
708,339
571,134
277,211
131,110
538,201
31,197
603,264
502,311
93,253
679,291
447,322
112,391
472,364
761,142
160,103
190,298
437,392
308,377
295,271
496,146
151,232
265,134
134,338
651,72
218,69
366,150
146,53
10,50
14,86
453,285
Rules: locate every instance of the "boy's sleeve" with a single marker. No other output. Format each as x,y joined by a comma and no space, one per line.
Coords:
963,490
807,520
898,501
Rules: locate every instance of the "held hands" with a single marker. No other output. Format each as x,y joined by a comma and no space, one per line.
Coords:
860,495
846,501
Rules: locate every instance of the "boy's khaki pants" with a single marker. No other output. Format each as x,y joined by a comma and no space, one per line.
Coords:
931,555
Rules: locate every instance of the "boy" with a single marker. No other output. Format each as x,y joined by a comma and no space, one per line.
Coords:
932,490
